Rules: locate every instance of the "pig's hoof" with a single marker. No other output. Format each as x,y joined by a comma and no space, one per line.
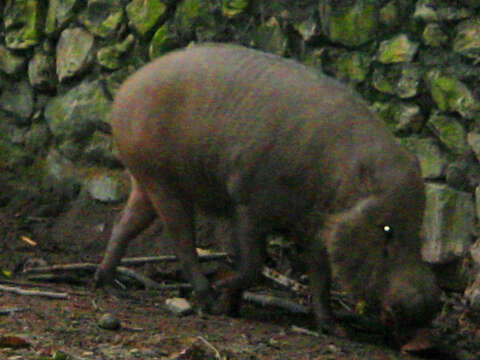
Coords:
227,303
102,278
326,325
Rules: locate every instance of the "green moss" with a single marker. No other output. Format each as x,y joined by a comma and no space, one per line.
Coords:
354,66
233,8
270,37
22,24
163,41
144,14
450,94
397,49
450,132
354,25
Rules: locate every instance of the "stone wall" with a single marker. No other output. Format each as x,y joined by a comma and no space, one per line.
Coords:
415,61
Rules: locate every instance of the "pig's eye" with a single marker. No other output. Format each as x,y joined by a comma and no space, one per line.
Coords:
388,231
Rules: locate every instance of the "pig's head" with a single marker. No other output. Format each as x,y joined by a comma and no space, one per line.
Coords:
375,250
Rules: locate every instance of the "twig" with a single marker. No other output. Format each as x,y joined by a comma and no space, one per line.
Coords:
149,283
210,346
11,310
42,285
66,267
18,291
171,258
303,331
268,300
284,281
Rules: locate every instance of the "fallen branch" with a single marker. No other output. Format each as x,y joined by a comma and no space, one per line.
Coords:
268,300
284,281
48,294
11,310
149,283
58,268
42,285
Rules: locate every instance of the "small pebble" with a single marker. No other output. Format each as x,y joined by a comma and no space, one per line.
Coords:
179,306
109,322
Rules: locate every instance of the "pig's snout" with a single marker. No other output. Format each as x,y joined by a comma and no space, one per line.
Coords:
410,302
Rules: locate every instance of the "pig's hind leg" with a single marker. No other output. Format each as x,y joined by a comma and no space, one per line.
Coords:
136,216
177,215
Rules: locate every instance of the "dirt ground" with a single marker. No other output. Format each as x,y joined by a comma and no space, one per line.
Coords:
33,327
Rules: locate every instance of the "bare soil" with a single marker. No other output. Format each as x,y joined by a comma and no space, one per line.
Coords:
77,231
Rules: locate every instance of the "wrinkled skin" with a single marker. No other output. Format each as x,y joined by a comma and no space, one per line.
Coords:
273,147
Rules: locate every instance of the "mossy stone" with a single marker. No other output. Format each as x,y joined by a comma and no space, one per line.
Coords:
397,49
451,94
433,161
351,24
234,8
449,131
467,39
434,36
10,63
23,20
111,56
269,36
74,52
59,13
103,17
163,41
145,14
353,66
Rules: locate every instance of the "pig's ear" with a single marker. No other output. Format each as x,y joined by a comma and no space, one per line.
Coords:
341,227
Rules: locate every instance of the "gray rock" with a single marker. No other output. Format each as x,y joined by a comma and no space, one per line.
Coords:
472,294
76,114
22,20
195,18
352,66
179,306
434,36
105,188
143,15
59,13
397,49
451,94
449,131
269,36
438,10
10,63
100,150
464,173
111,56
74,52
41,71
400,118
433,161
17,98
37,138
163,41
467,39
399,79
109,322
352,24
473,139
103,17
448,225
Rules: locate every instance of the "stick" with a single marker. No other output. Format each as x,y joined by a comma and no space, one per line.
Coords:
48,294
268,300
42,285
67,267
171,258
284,281
11,310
